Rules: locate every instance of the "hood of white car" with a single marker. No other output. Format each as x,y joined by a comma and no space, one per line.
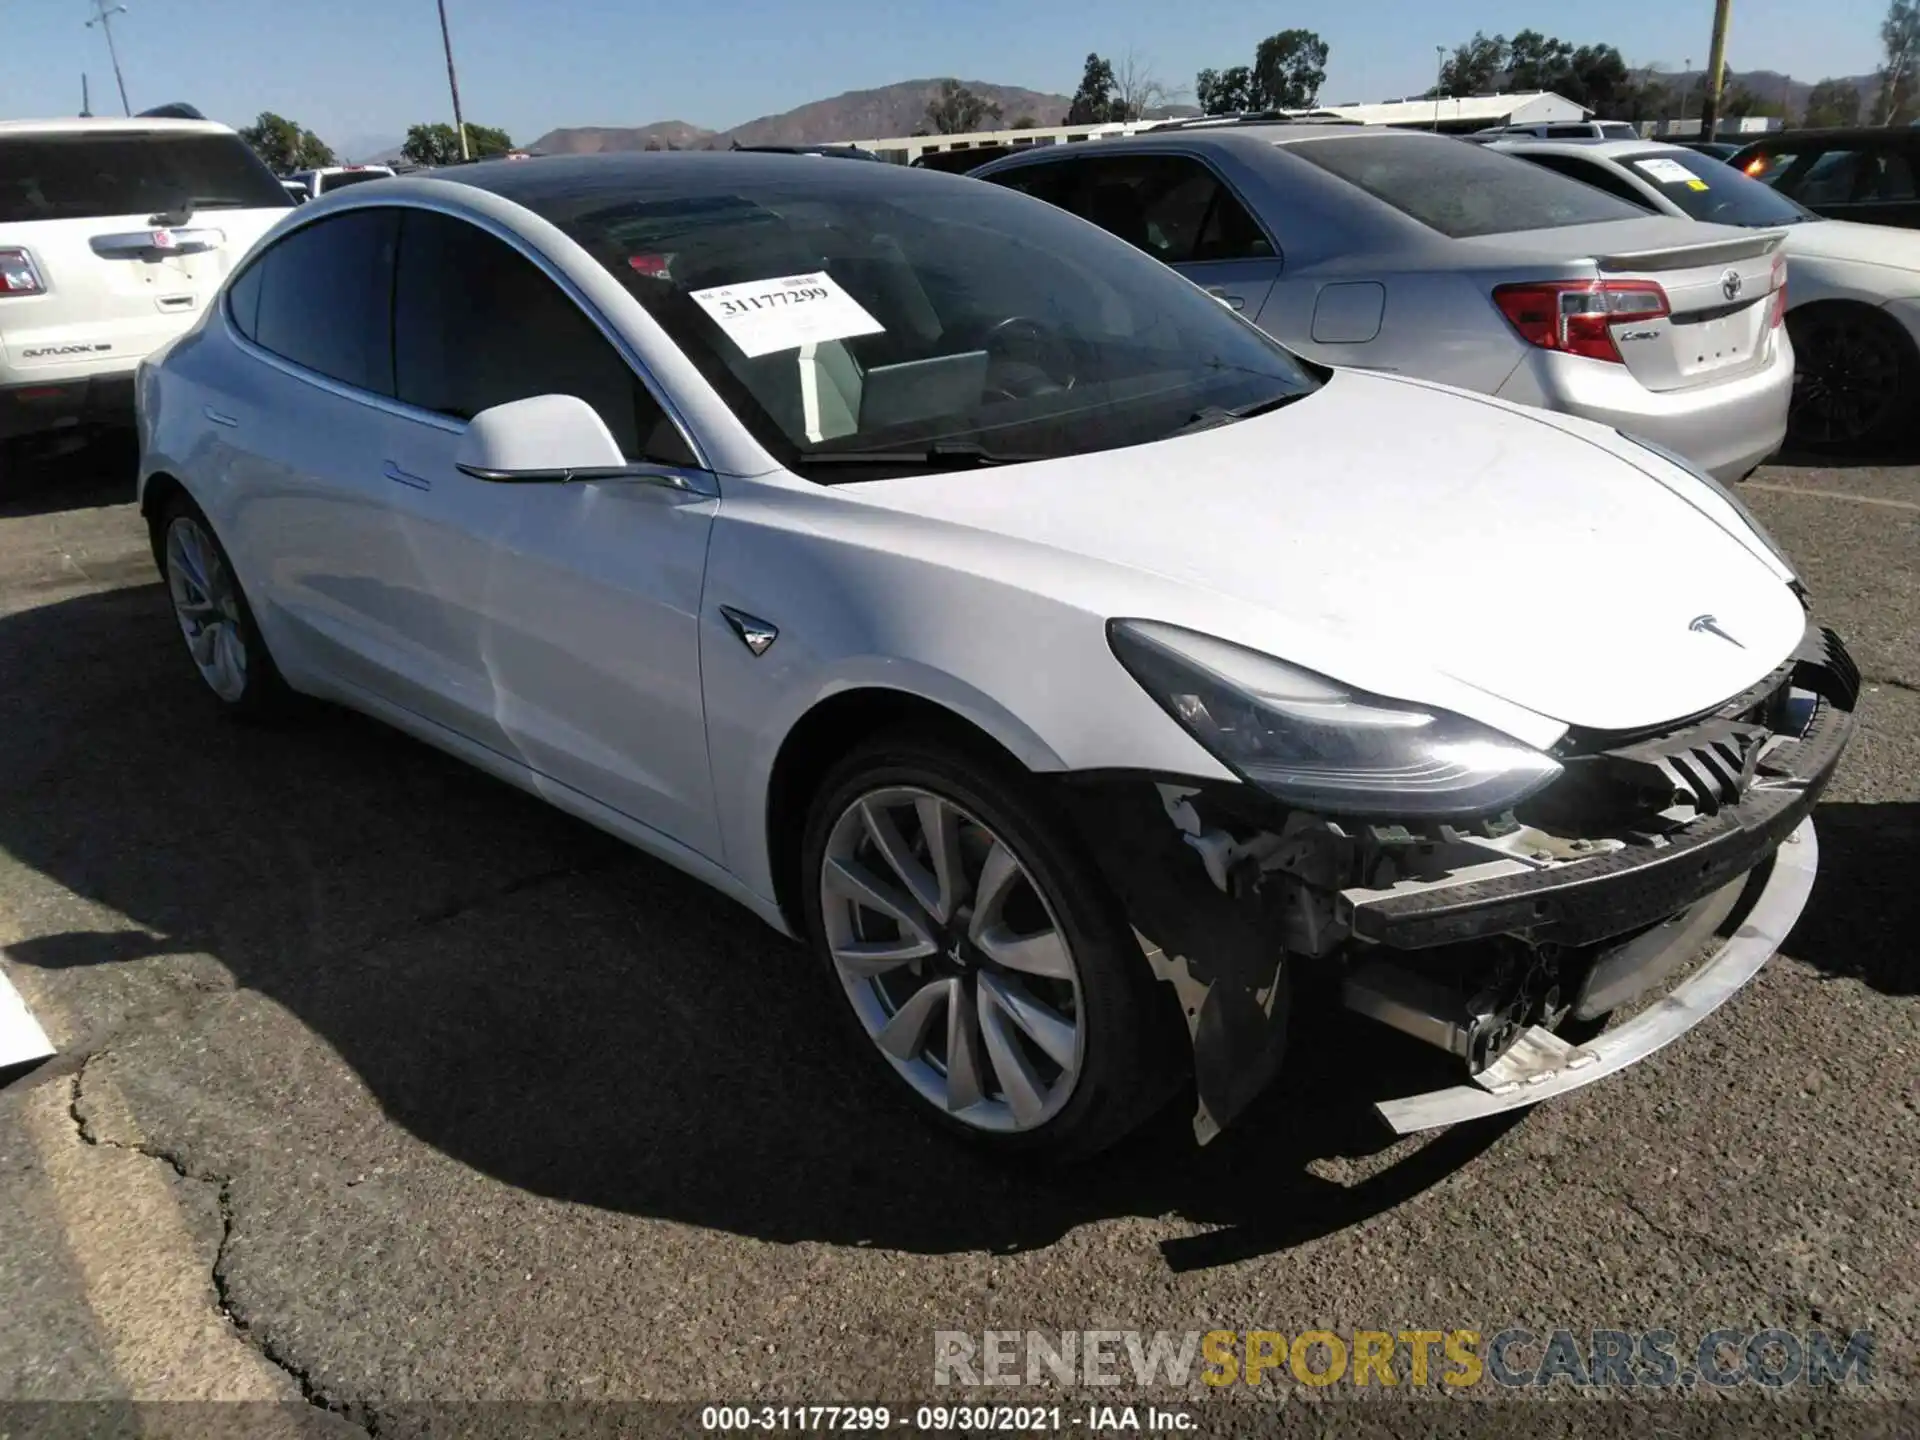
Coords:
1421,532
1861,244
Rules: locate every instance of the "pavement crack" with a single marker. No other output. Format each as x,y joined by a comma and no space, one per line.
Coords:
1694,1237
466,904
1891,683
356,1415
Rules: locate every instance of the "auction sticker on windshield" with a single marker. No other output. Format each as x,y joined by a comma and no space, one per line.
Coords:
1671,172
765,316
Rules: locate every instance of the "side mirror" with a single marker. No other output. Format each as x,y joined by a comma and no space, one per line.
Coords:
548,439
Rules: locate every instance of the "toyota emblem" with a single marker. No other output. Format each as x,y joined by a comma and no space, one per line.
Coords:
1730,284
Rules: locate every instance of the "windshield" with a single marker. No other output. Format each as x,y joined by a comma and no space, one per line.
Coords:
939,323
97,174
1461,190
1710,189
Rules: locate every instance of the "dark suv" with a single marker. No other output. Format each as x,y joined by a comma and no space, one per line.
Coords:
1865,175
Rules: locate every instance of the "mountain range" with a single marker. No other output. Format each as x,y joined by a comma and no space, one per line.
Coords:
857,115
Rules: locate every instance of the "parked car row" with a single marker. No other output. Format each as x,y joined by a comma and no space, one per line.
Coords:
1088,679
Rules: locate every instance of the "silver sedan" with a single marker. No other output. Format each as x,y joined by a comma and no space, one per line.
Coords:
1426,256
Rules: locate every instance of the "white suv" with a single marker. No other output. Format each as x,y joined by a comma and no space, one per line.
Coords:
114,234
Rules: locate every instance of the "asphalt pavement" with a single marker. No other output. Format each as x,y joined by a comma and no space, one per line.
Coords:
384,1089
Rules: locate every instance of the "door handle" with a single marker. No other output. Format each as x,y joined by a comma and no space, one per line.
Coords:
407,478
1232,302
217,417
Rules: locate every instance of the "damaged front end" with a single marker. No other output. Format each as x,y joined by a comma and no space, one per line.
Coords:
1490,938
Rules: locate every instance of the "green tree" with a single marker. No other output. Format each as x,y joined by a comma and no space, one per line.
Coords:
284,146
1476,67
1900,38
1023,122
1224,92
1288,70
439,144
956,110
1832,103
1094,103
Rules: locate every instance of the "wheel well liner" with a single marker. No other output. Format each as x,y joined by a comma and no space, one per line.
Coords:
154,495
816,743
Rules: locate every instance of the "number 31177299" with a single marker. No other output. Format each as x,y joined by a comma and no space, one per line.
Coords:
771,300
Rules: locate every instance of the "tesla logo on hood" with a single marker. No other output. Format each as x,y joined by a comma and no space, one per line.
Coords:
1707,625
1730,284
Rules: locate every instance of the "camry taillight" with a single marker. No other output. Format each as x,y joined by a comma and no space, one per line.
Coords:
1577,316
1779,289
17,274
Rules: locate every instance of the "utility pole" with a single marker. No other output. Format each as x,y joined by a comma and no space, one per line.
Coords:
1686,90
86,100
1439,73
453,81
103,17
1716,69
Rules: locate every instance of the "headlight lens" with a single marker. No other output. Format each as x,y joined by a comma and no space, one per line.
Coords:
1318,745
1725,492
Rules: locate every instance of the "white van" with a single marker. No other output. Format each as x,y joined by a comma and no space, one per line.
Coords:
114,234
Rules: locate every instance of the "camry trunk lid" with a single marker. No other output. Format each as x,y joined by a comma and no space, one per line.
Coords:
1382,529
1715,286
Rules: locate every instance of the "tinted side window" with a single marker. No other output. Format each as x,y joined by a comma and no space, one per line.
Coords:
477,324
1043,182
1598,176
243,298
1172,207
325,299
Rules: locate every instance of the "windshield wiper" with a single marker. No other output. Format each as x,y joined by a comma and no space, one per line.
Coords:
1212,417
945,454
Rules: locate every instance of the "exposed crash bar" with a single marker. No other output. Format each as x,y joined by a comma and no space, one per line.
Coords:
1763,931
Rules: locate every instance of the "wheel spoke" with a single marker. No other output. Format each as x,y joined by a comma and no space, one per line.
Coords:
1042,954
940,823
855,882
898,854
963,1053
1041,1024
1019,1083
202,645
996,881
904,1034
868,958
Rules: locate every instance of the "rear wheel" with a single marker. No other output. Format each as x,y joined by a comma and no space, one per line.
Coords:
983,961
1856,377
223,642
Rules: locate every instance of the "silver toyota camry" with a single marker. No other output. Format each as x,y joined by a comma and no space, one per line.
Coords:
1428,256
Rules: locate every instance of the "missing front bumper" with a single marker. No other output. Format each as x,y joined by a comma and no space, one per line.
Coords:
1541,1065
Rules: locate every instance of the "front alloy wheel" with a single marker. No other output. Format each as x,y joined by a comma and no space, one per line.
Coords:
952,959
985,962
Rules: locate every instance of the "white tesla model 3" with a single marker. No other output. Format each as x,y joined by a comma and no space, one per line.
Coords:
1079,673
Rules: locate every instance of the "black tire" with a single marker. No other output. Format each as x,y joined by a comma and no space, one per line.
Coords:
1856,379
264,696
1130,1067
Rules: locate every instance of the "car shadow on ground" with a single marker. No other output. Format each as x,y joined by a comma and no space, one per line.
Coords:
1865,908
35,480
563,1014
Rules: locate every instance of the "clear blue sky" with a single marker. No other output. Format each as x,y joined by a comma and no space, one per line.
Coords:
360,70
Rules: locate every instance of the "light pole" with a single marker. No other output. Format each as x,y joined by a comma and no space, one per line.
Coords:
103,17
1686,76
453,81
1439,71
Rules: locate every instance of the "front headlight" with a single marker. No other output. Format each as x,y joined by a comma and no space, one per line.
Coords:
1725,492
1318,745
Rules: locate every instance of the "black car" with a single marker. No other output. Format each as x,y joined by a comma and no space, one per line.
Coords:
1862,174
1718,149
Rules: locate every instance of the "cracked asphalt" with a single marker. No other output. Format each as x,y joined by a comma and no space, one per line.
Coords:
385,1092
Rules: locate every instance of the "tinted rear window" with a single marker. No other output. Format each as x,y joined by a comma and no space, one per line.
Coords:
1461,190
350,177
83,177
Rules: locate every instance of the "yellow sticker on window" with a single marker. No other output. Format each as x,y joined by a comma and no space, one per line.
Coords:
1696,184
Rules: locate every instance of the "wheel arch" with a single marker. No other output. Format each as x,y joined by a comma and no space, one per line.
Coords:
815,743
156,490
